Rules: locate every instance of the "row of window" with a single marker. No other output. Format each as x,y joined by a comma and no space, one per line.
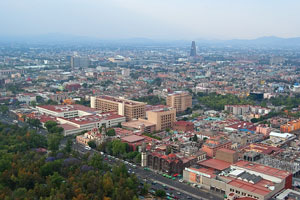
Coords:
243,193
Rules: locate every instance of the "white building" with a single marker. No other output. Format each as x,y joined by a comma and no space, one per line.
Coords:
66,111
86,123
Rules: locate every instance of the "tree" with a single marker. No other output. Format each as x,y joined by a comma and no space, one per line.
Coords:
150,91
33,103
53,142
39,99
50,124
56,180
168,150
34,122
53,128
119,125
96,161
92,144
160,193
68,147
111,132
195,138
4,109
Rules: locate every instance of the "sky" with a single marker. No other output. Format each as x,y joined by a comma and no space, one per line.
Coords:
154,19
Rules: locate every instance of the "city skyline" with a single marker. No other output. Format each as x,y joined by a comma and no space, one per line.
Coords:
118,19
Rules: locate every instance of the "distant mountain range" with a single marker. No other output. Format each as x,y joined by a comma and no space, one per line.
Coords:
57,38
261,41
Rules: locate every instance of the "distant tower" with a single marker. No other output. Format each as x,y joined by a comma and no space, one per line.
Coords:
193,49
144,155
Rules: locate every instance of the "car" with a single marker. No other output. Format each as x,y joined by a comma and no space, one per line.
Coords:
189,197
105,158
102,153
178,193
87,148
180,180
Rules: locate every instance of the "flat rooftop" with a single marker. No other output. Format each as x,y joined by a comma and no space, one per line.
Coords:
66,108
209,172
263,169
258,188
92,118
120,100
137,124
215,164
133,138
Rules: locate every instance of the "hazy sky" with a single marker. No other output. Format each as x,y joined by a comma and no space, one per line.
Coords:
157,19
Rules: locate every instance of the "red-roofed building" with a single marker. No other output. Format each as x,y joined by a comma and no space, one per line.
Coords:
213,144
261,148
264,171
91,121
215,164
66,111
183,126
133,141
170,164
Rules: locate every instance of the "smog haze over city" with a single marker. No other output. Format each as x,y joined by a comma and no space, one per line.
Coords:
136,99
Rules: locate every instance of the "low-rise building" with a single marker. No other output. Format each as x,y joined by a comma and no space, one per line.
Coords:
213,144
142,125
93,135
66,111
183,126
78,124
242,179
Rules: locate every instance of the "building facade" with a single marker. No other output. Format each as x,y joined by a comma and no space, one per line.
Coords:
179,100
128,108
163,118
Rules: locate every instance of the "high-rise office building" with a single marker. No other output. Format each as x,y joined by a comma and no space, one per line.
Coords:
79,62
179,100
193,49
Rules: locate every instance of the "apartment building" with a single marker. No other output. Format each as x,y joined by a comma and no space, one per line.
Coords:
293,125
128,108
179,100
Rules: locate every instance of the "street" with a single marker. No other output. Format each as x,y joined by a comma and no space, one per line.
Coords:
157,181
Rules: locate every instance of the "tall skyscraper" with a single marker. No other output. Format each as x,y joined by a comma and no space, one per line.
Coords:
193,49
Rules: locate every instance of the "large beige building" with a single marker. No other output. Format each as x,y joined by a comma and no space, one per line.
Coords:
162,116
179,100
128,108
